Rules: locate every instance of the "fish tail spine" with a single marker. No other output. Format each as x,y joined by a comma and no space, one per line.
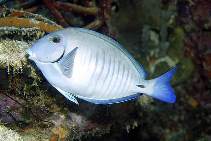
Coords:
160,87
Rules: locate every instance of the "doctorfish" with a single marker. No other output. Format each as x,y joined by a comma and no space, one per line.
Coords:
88,65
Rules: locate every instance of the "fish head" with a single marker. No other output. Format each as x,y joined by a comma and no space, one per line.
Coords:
48,49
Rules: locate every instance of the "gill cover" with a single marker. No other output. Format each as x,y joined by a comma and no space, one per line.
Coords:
49,48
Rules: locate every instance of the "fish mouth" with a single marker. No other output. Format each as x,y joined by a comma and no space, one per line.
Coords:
30,55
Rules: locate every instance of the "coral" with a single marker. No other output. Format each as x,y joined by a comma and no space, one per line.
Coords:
9,135
51,5
26,23
77,8
5,12
12,54
24,90
66,13
26,34
22,19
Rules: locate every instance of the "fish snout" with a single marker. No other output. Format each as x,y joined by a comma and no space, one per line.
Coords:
30,54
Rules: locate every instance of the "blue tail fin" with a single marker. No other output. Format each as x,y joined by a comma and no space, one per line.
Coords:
160,87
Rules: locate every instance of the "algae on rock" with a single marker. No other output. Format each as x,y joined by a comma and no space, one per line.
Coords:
8,134
12,54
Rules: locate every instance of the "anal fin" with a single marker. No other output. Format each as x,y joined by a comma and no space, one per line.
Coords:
68,95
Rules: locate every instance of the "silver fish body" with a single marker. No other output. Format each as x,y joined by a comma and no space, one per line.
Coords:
101,71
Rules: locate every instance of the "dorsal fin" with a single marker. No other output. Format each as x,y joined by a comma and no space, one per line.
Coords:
66,63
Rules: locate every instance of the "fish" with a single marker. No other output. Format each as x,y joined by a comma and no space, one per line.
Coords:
84,64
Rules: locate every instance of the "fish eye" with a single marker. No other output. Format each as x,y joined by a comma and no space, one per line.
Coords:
55,39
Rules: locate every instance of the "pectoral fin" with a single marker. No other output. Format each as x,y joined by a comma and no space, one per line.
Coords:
68,95
66,63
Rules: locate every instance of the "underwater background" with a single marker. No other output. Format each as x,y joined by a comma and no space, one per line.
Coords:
158,33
